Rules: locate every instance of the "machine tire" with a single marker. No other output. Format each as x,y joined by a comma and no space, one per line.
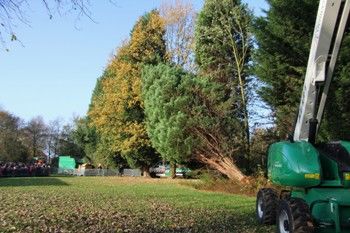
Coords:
266,205
293,216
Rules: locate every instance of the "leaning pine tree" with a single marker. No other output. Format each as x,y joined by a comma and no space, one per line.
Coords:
187,117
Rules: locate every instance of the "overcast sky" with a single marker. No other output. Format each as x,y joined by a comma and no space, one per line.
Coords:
55,70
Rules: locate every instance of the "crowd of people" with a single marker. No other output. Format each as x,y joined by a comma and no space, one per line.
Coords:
11,169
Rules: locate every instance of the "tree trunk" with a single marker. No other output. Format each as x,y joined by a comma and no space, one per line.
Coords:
224,165
172,170
145,171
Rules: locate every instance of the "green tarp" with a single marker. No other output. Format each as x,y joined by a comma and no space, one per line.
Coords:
66,162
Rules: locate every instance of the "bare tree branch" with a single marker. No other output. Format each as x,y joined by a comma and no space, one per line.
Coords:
13,12
179,17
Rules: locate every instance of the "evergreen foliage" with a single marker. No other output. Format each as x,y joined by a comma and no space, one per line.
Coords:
283,39
188,117
223,52
336,125
221,34
86,137
167,107
223,48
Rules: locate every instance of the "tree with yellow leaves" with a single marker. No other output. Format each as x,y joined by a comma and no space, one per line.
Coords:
117,110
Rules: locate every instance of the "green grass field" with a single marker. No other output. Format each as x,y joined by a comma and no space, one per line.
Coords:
114,204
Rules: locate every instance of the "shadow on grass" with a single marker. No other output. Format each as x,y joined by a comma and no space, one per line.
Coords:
31,181
63,175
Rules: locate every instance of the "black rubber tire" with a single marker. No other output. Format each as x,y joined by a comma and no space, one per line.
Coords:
299,216
268,206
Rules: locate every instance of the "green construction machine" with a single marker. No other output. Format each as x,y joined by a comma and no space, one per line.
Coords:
316,175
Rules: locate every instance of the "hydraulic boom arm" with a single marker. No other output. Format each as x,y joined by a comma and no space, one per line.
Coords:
330,26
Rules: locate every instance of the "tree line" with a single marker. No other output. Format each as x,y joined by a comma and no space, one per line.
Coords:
22,141
211,88
190,86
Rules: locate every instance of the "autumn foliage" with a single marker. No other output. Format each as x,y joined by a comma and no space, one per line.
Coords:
117,110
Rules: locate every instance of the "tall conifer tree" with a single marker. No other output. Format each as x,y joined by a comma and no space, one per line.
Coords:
283,38
223,47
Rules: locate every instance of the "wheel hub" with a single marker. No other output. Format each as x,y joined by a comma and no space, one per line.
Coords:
260,208
286,225
283,222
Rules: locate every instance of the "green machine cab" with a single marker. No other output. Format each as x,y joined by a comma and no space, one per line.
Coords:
319,176
294,164
315,176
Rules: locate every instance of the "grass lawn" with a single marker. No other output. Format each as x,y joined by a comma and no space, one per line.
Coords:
115,204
